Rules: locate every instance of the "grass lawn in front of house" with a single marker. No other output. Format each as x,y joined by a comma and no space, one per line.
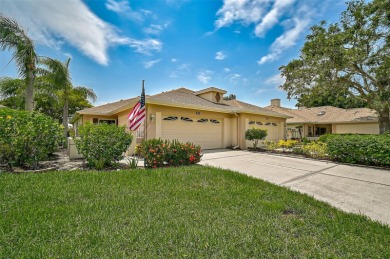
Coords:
174,212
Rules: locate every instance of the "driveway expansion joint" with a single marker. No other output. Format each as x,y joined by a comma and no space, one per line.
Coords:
306,175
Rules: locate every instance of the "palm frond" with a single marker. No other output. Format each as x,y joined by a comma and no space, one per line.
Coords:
87,92
15,39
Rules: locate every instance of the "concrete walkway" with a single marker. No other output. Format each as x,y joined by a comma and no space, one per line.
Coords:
351,188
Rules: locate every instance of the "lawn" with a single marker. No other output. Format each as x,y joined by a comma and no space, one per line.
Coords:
175,212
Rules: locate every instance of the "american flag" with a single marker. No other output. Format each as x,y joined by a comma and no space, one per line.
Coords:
137,114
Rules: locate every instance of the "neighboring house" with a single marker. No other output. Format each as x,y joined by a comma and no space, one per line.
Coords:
202,117
317,121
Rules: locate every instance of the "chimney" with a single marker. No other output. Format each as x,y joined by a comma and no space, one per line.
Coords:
275,102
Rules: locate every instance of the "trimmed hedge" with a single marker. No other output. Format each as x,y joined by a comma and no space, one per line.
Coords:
159,153
359,149
27,138
102,144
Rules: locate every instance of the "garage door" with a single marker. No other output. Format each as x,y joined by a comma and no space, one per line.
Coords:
271,127
206,132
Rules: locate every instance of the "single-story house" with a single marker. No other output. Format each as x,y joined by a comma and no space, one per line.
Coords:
202,117
316,121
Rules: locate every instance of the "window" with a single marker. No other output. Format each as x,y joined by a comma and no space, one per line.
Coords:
170,118
251,122
203,120
259,123
268,123
95,120
214,121
186,119
107,121
274,124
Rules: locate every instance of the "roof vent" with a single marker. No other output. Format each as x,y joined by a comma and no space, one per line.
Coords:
321,113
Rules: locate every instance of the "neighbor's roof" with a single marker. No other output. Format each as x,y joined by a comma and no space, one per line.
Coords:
326,114
183,98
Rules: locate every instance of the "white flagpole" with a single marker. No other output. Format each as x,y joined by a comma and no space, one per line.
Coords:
146,115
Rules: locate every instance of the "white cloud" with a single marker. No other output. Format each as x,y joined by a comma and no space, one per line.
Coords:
123,8
226,69
220,55
71,21
233,79
276,80
144,46
174,60
205,76
156,29
149,64
265,15
286,40
181,70
246,11
272,17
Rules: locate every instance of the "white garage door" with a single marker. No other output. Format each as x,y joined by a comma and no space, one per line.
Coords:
206,132
271,127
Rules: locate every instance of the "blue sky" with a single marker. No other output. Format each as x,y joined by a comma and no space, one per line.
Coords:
236,45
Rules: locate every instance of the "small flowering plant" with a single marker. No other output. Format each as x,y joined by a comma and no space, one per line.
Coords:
159,153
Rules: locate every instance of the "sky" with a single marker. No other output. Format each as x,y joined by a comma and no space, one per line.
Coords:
235,45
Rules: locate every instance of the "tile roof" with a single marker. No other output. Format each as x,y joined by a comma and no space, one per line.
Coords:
326,114
185,98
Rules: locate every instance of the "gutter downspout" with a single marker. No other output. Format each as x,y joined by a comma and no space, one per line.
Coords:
237,135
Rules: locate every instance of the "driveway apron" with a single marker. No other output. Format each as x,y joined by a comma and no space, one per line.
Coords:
353,189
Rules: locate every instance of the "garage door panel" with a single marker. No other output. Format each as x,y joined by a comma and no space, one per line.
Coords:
206,134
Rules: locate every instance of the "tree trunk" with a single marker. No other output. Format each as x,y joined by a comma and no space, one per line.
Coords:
29,101
65,113
384,120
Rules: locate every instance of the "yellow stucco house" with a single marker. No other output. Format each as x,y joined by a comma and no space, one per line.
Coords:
202,117
316,121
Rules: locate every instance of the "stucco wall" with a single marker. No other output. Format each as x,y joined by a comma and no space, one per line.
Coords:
361,128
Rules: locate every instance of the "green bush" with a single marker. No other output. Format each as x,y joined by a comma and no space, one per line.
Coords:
363,149
102,144
270,145
27,138
255,135
159,153
315,149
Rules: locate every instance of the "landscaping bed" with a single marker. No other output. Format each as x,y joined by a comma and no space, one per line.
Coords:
189,211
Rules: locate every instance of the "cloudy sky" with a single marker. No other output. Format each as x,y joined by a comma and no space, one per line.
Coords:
236,45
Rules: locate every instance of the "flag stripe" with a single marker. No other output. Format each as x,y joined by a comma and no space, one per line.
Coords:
138,113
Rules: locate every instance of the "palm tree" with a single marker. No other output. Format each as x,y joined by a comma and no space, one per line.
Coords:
14,38
57,76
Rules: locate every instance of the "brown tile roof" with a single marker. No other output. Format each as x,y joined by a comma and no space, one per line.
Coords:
326,114
182,97
108,108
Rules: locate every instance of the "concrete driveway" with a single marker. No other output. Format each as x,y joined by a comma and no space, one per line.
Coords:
351,188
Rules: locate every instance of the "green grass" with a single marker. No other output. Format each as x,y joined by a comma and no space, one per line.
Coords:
175,212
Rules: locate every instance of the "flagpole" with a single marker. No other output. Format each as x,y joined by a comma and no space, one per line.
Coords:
146,115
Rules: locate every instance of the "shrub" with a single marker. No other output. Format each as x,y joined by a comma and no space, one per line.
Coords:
270,145
255,135
315,149
364,149
102,144
287,144
27,138
159,153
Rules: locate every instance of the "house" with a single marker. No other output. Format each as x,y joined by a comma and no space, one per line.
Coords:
317,121
202,117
